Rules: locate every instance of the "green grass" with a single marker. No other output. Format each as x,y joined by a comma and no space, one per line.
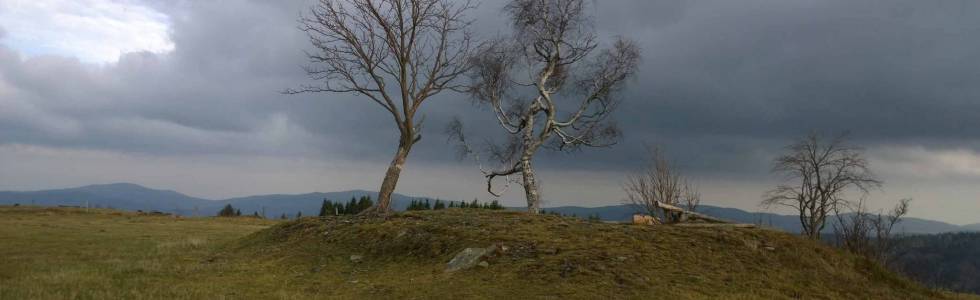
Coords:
71,253
58,253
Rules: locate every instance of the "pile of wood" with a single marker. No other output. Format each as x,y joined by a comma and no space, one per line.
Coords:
687,218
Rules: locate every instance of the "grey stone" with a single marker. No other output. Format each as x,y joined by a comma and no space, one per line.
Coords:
468,258
356,258
484,264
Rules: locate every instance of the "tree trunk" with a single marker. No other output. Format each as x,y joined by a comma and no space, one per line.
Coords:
391,178
530,186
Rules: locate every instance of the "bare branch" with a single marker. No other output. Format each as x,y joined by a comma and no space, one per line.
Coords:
661,183
396,53
818,173
553,43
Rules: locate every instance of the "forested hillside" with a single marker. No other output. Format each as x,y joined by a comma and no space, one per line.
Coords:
949,260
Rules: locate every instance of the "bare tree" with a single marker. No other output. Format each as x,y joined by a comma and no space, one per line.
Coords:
396,53
658,184
869,234
818,175
691,195
547,88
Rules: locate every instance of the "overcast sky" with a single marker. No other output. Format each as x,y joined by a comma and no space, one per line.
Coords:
184,95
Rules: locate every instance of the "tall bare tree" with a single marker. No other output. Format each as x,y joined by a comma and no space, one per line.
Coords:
818,174
661,183
396,53
547,87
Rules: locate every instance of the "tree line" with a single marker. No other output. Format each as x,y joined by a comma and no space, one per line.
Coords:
352,207
230,211
425,204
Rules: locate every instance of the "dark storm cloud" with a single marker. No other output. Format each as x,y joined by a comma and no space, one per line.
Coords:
885,69
726,83
723,84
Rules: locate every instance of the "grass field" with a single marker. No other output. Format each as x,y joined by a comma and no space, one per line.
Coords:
57,253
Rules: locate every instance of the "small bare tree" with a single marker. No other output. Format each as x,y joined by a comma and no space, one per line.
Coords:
818,174
661,183
869,234
546,88
396,53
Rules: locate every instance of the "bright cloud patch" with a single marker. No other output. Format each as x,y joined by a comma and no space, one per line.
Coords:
92,30
920,162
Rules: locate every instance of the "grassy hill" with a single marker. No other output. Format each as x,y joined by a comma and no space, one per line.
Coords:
76,253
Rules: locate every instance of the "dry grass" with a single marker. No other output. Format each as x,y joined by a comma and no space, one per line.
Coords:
70,253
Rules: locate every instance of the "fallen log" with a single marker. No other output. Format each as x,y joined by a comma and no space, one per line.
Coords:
716,225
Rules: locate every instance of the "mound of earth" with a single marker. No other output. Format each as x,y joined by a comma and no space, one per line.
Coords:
514,255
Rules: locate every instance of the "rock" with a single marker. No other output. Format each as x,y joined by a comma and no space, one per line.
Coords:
468,258
770,248
621,258
326,233
484,264
356,258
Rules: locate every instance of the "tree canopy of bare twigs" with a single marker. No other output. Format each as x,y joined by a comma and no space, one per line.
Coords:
661,182
548,87
818,174
866,233
396,53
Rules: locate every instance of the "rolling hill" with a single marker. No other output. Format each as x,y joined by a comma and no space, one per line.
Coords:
551,257
64,253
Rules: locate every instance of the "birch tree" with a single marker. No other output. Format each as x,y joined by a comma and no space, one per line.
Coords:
549,87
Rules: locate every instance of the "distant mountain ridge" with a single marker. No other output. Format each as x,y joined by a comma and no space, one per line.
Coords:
128,196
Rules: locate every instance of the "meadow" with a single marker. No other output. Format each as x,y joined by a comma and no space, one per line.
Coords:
72,253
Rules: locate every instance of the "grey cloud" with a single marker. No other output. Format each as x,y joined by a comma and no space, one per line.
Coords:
887,70
723,85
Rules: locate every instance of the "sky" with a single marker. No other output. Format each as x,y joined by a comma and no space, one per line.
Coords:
185,95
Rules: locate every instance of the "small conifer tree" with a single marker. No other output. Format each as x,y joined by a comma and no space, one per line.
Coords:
323,208
227,211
